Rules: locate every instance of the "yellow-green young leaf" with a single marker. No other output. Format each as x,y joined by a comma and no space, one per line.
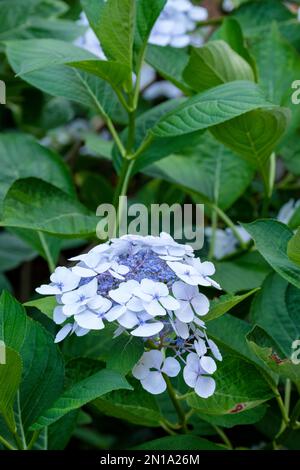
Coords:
225,303
239,387
80,394
254,135
46,305
271,239
33,204
269,352
212,107
293,248
214,64
10,377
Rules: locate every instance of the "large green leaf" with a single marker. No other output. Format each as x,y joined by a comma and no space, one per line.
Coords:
179,443
116,30
33,204
45,305
37,161
213,107
223,304
36,54
214,64
21,19
239,387
293,248
254,135
170,64
13,322
243,273
10,377
267,350
13,251
271,239
276,310
210,170
66,82
111,71
251,416
82,392
125,353
137,407
146,16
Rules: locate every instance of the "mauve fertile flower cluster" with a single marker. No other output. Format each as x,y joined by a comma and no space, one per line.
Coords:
148,286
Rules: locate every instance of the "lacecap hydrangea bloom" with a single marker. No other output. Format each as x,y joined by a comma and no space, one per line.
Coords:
149,287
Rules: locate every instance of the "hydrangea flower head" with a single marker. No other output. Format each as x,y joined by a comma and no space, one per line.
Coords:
149,287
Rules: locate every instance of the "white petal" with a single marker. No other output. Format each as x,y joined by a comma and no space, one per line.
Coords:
185,314
140,371
83,272
58,315
120,295
147,286
154,383
205,386
116,275
99,304
200,304
180,41
135,304
215,350
183,291
190,377
48,289
208,364
115,312
154,308
169,303
128,319
153,358
148,329
89,321
200,347
63,333
182,329
171,367
81,331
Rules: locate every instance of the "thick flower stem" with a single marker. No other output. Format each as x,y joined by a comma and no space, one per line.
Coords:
179,410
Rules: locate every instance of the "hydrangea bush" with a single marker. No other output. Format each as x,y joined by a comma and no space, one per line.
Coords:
141,340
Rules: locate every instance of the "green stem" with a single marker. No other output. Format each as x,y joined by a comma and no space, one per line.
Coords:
223,436
7,444
33,440
230,224
116,137
287,395
285,417
165,426
179,410
50,260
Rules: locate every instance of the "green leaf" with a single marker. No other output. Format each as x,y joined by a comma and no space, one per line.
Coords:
276,310
213,107
33,204
254,135
81,393
66,82
41,53
271,239
99,147
13,251
46,305
137,407
244,273
116,30
170,63
126,352
211,171
187,442
214,64
13,322
239,387
146,16
36,161
113,72
293,248
268,351
10,377
231,32
274,56
225,303
251,416
294,221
